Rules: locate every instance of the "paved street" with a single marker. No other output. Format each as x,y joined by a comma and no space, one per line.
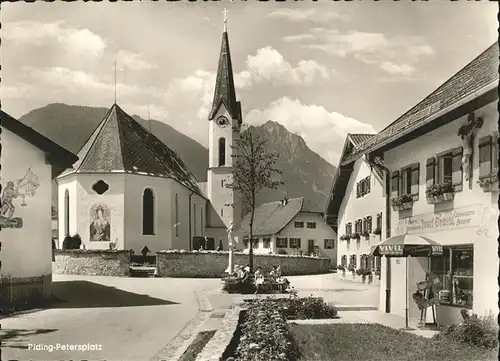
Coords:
133,318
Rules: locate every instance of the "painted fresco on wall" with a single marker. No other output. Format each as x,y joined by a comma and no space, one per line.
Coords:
12,193
100,219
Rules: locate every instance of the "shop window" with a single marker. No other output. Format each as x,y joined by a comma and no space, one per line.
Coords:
311,225
329,243
266,242
455,272
299,224
294,242
485,156
281,242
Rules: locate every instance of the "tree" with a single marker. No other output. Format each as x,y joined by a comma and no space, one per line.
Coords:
253,171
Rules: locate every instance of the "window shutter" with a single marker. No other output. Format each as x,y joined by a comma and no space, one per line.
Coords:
369,224
395,184
430,177
485,156
368,181
456,167
415,178
325,246
358,189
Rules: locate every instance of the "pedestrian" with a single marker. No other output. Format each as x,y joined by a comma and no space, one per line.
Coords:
259,279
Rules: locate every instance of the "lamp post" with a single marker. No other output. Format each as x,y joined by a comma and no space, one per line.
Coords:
230,239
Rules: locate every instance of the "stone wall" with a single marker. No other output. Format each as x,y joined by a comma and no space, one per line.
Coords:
212,264
92,262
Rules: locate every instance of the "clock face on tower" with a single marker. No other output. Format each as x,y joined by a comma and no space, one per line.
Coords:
222,121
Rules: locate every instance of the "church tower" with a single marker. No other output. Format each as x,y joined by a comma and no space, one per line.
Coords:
224,129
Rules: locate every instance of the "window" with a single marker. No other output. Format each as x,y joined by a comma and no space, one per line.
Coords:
194,219
367,184
176,212
455,272
450,167
202,226
100,187
266,242
245,241
329,243
311,225
485,156
222,152
348,229
369,223
395,184
430,176
222,183
410,176
343,260
148,212
363,187
363,261
365,225
353,261
299,224
255,242
294,242
281,242
379,221
358,226
66,212
222,212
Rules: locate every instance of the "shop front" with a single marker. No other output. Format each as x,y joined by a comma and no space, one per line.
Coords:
465,276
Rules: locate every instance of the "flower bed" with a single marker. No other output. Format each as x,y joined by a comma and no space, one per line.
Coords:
265,334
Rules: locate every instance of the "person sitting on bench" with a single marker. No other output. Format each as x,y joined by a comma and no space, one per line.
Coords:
259,279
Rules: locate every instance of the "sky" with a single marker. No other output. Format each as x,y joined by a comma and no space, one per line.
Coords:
322,69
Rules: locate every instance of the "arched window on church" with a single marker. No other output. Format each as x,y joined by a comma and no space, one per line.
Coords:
148,206
222,152
66,212
176,212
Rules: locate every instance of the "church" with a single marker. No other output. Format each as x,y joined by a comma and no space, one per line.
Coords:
129,190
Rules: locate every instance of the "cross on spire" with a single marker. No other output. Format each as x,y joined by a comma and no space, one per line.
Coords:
225,19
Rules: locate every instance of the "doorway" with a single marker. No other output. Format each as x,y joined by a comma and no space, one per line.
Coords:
310,246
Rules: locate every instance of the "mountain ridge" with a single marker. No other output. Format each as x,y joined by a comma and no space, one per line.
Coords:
305,173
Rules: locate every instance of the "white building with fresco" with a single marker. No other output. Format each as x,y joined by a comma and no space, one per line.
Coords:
29,163
441,161
130,189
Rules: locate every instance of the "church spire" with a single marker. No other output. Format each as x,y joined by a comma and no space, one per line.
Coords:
224,85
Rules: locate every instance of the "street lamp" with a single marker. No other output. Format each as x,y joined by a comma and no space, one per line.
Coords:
230,239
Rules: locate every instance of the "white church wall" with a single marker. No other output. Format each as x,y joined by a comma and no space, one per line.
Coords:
106,209
26,237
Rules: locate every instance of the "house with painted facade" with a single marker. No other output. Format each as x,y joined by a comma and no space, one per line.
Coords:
29,163
441,167
356,207
291,226
129,190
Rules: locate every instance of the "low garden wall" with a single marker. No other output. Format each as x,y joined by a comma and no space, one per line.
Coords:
212,264
92,262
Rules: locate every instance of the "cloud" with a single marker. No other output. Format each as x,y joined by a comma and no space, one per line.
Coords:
270,66
81,42
132,61
298,15
299,37
323,131
396,55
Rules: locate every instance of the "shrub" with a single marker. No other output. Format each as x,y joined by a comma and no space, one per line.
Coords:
474,330
281,251
72,242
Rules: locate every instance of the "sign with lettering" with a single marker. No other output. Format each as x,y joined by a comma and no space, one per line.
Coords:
442,221
391,250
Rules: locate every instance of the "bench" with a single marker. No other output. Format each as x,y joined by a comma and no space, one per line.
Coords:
271,285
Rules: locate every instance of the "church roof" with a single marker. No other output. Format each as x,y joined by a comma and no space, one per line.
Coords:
225,92
121,144
270,218
59,157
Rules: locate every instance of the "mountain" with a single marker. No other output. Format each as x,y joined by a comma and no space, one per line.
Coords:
305,173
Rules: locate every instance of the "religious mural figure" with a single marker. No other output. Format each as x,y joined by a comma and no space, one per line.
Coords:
100,229
21,188
467,133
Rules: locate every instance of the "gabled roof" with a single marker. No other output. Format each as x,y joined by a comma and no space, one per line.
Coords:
479,73
343,174
59,157
225,92
121,144
270,218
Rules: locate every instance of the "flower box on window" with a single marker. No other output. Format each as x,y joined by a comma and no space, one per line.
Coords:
489,183
345,237
355,236
377,231
366,234
403,202
439,193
